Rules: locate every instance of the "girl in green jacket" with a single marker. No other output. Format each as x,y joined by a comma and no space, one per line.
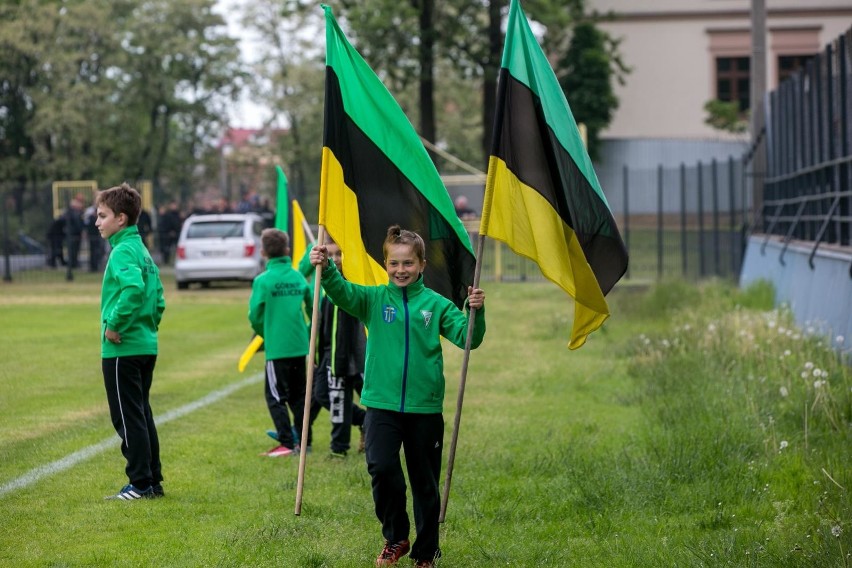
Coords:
404,386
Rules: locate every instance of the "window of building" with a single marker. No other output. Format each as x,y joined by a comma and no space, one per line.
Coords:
733,80
789,64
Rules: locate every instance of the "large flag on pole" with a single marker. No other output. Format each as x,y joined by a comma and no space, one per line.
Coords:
299,241
542,197
282,213
376,173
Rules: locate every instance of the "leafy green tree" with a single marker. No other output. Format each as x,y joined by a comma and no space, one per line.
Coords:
726,116
587,72
112,90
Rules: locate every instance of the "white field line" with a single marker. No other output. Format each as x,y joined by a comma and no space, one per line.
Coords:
71,460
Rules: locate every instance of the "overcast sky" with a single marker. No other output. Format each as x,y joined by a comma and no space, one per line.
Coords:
245,114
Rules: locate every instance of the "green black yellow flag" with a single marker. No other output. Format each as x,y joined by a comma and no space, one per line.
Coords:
376,173
542,197
282,213
298,242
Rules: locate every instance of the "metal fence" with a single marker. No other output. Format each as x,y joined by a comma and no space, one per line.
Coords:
808,183
676,222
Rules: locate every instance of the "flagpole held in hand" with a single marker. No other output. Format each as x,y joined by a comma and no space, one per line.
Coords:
451,457
309,382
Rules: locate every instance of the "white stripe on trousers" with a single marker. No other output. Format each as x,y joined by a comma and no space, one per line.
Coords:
272,381
120,407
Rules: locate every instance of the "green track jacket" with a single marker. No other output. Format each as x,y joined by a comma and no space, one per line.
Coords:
404,370
280,309
132,301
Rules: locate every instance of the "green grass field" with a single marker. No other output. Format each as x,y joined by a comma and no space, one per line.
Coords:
697,428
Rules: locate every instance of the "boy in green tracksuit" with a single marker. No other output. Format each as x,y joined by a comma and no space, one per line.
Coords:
279,312
404,386
132,306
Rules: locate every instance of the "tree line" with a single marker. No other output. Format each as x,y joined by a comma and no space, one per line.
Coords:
118,90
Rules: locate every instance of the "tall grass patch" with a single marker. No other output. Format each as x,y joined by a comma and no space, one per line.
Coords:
748,423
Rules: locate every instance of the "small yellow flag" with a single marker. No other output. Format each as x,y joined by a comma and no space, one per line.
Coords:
249,352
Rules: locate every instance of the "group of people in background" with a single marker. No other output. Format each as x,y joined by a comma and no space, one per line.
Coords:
67,234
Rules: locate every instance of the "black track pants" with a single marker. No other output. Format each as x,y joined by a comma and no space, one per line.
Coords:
128,386
421,438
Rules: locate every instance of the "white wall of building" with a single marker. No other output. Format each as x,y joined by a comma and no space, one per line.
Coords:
667,44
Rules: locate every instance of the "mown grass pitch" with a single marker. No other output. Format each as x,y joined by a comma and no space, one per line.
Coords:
668,440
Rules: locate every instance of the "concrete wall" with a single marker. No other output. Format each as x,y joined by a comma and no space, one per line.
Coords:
819,297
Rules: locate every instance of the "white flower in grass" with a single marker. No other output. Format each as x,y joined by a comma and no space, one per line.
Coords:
805,374
836,530
782,445
797,337
817,372
787,353
711,327
783,392
809,365
771,324
781,330
839,340
819,384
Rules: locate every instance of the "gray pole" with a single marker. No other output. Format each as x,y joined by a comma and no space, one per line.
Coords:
7,271
758,116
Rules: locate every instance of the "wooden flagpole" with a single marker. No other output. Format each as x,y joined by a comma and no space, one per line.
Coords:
309,382
451,458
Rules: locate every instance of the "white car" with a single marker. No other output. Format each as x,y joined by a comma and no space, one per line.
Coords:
219,247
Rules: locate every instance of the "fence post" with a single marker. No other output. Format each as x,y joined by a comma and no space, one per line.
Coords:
626,216
659,221
683,233
717,263
7,269
843,81
701,271
732,218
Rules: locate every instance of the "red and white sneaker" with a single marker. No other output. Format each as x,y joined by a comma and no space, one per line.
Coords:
279,451
392,552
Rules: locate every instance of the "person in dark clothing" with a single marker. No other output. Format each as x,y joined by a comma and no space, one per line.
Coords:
144,225
55,239
169,226
96,244
340,372
74,230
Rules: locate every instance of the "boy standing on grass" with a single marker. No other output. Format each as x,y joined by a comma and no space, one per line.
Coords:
132,306
404,386
279,311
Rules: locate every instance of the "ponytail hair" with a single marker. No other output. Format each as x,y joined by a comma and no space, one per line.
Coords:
399,236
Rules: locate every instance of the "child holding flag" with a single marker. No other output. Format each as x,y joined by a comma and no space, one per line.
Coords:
279,311
404,386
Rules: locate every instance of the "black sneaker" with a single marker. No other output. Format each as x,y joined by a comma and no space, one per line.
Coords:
158,490
130,492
